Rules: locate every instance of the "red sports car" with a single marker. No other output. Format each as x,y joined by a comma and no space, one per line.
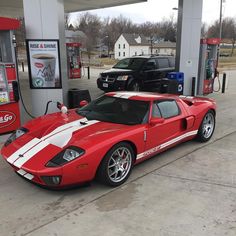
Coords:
106,137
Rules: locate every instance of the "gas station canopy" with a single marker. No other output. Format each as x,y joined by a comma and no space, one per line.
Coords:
14,8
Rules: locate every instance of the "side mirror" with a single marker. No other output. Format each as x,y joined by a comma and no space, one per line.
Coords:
83,103
155,121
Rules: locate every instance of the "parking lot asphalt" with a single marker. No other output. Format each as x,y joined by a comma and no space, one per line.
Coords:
187,190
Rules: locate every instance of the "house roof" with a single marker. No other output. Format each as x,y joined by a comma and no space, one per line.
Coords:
130,38
165,44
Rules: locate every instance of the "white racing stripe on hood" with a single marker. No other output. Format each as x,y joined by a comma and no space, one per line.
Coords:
58,137
126,95
29,154
64,127
23,149
61,138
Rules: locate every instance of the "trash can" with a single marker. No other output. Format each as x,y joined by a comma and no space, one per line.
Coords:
75,96
169,86
179,77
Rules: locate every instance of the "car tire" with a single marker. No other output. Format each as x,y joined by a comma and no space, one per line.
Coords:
207,127
134,86
117,165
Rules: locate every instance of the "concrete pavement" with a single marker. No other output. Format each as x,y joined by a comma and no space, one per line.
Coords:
189,190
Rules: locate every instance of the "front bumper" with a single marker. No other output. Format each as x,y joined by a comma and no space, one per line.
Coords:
111,86
37,177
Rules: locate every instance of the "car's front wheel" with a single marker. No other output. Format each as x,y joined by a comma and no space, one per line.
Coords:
207,127
117,164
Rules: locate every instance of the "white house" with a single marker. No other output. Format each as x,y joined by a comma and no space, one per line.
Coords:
128,45
164,48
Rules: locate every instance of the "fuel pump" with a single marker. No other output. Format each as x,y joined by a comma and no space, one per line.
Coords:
207,65
9,96
73,60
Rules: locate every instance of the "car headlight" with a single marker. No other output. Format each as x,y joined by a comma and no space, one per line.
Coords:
122,78
15,135
67,155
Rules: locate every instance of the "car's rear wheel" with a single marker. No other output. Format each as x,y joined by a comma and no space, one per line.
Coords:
117,164
134,86
207,127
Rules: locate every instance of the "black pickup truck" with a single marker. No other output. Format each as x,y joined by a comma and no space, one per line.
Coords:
143,73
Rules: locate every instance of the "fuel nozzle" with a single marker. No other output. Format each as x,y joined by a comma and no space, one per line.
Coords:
62,107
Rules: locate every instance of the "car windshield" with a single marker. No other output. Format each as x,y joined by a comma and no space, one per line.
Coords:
130,63
116,110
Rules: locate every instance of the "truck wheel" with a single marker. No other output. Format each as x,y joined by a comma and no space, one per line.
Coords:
134,86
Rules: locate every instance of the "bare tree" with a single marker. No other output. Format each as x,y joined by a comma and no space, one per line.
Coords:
68,24
228,30
168,29
114,27
204,30
91,26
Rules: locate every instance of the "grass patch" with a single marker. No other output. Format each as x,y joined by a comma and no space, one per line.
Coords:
227,62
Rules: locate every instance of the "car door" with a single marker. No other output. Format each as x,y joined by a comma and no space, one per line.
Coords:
148,74
163,67
167,133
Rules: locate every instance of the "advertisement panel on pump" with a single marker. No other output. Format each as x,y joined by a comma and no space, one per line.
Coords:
73,60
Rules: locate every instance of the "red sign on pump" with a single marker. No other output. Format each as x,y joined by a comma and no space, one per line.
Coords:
6,118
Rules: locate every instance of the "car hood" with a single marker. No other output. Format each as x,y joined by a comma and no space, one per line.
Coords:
62,130
117,71
50,134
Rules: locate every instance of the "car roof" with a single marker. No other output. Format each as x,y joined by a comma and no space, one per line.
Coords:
152,56
142,96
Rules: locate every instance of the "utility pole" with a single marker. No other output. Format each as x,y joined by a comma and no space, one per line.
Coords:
151,42
220,34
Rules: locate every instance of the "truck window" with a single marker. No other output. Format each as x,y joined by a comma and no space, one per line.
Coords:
162,63
150,65
172,61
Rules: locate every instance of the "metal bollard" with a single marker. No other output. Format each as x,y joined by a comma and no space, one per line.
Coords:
193,86
88,72
22,65
223,83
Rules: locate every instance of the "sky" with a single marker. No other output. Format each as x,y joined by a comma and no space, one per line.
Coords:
156,10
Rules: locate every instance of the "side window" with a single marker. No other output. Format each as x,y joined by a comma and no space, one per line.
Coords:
119,54
124,46
119,46
123,54
162,63
156,111
172,61
168,108
150,65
